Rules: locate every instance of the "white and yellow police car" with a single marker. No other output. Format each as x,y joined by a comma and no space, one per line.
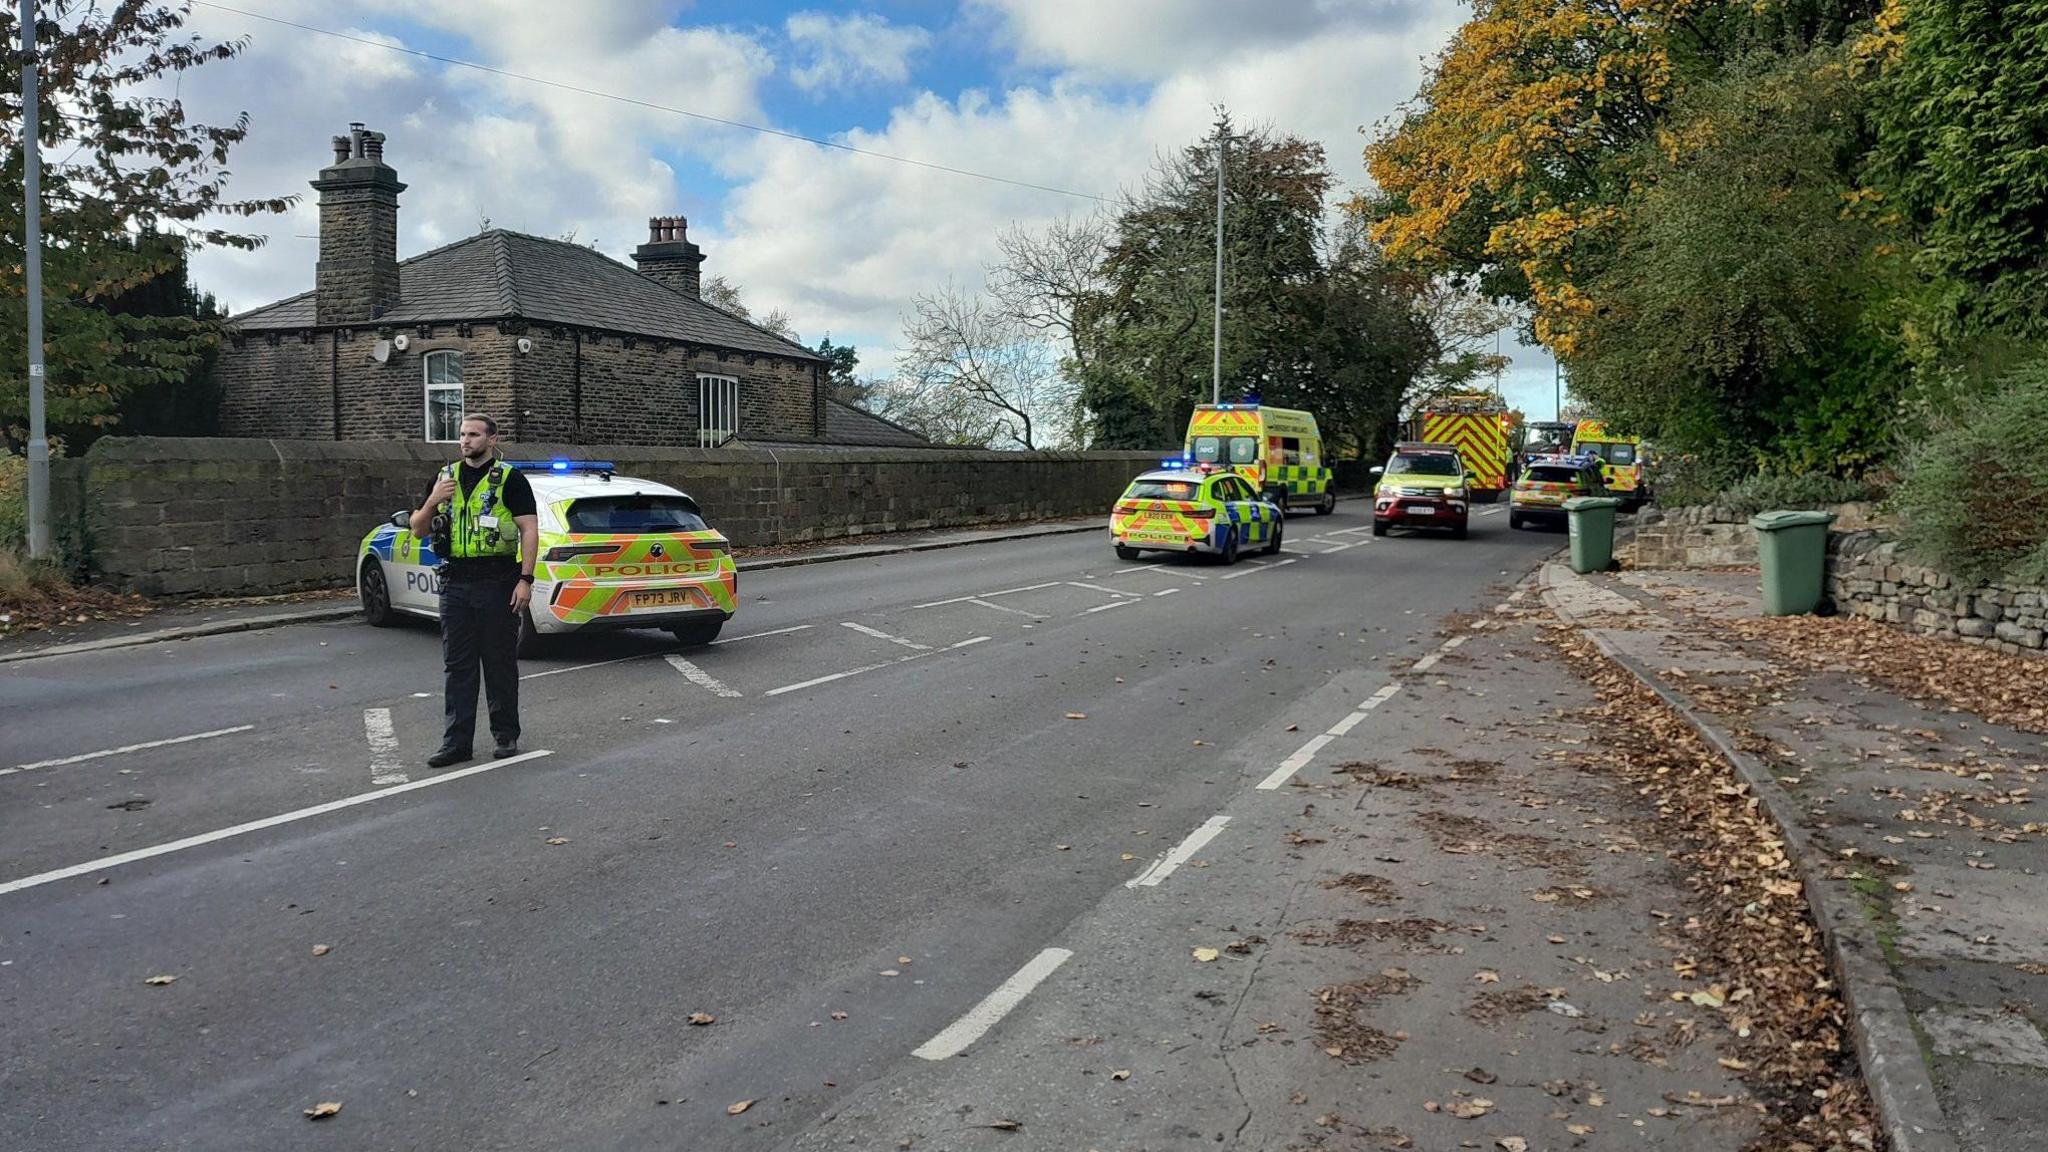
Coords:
1194,508
615,552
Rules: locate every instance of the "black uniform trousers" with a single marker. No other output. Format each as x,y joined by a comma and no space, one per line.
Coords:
480,633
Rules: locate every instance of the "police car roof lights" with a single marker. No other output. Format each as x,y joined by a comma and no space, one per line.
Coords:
564,467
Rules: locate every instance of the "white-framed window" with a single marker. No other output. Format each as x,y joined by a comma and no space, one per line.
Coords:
444,395
718,409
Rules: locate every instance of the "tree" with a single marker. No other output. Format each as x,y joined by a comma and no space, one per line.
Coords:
725,295
970,347
841,360
1963,154
130,187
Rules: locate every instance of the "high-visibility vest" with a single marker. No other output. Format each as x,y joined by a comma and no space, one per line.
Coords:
468,539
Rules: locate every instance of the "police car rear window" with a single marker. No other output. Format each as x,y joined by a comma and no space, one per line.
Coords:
1161,490
634,513
1554,475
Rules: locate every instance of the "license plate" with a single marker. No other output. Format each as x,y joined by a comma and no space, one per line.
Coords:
663,598
1419,510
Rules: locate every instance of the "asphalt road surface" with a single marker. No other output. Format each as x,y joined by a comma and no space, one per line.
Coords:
884,794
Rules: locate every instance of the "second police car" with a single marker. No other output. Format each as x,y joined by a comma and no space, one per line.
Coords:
1194,509
615,552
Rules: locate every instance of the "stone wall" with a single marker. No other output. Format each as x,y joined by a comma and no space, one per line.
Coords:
223,517
1706,537
1868,577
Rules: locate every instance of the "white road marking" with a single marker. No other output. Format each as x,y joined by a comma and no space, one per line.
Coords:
119,859
996,1005
703,679
989,595
878,634
1166,591
1426,663
581,667
1128,571
758,635
124,749
1181,854
1105,607
384,766
1307,752
1348,531
1099,588
1012,611
817,680
1454,641
1263,568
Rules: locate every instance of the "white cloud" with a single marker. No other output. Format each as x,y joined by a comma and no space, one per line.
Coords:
839,53
1157,39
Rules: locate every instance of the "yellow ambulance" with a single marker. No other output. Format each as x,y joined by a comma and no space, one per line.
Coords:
1278,449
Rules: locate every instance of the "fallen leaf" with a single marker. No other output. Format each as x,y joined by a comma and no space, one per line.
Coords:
160,981
702,1018
1734,1065
1205,955
1480,1076
323,1110
1486,976
1077,715
1063,847
1333,1051
839,1015
1120,1074
1005,1125
891,972
557,840
1587,1129
903,960
1513,1144
736,1109
1472,1109
1129,856
321,949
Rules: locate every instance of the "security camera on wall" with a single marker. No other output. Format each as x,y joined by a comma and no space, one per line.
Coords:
401,341
380,351
524,345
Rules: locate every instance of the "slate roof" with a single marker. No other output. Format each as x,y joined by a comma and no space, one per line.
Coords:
497,274
849,427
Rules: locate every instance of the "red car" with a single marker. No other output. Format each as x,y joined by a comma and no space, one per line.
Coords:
1422,486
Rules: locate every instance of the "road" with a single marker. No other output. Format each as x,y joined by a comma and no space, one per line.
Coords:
886,793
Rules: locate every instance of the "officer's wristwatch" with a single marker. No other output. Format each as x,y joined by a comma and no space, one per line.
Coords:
526,577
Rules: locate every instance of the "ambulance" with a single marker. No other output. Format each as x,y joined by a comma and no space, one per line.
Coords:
1277,449
1621,461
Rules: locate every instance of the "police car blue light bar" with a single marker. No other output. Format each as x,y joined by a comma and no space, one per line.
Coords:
565,466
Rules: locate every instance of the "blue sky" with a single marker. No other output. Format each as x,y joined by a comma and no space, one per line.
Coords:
1079,94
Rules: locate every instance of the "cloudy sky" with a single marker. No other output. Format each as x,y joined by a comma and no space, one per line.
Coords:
1075,95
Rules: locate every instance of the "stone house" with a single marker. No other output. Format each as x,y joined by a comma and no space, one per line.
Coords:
559,342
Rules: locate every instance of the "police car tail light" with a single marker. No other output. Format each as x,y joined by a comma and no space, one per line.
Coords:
714,547
563,552
1200,513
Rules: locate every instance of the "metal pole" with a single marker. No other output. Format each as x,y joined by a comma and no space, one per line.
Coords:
1216,367
32,248
1556,388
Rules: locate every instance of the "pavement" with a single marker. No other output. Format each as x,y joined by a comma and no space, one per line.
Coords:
1014,845
1915,807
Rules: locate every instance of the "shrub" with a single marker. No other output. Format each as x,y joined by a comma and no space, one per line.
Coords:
1975,497
1770,491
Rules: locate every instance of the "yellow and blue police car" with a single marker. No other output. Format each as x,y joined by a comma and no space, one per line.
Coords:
1194,508
615,552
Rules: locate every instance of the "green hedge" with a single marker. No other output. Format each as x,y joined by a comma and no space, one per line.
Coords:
1975,497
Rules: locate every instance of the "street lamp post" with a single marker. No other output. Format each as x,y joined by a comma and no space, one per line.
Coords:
1216,349
32,248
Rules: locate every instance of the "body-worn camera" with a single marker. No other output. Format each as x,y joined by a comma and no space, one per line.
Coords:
443,534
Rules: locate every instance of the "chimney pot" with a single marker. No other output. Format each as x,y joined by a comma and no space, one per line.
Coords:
356,278
668,256
340,149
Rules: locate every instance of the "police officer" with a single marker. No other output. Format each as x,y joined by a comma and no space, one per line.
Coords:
480,514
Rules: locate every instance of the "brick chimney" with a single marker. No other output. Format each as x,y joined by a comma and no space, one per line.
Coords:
668,256
356,279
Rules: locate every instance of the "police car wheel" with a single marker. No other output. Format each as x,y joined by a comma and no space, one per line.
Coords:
1229,554
1124,553
701,632
376,596
1328,505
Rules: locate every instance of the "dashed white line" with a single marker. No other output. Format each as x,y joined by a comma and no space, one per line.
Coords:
1263,568
878,634
980,603
988,595
759,635
969,643
1166,591
1426,663
1128,571
1454,641
384,765
1307,752
119,859
1181,854
1105,607
703,679
124,749
996,1005
829,678
582,667
1099,588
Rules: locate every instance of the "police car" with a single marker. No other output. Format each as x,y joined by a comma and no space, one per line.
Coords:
1193,508
615,552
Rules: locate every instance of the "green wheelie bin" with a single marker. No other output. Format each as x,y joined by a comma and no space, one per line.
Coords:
1793,547
1591,519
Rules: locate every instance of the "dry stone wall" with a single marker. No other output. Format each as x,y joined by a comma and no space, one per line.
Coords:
1868,576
